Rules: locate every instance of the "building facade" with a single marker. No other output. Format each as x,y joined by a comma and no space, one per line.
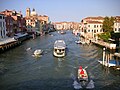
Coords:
2,26
35,22
117,24
14,22
91,27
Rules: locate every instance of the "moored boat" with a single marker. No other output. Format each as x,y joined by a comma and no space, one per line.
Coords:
111,63
78,42
62,32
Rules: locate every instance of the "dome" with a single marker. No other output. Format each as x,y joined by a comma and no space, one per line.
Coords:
33,13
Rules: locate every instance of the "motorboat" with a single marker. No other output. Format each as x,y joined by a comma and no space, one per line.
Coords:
82,76
78,42
62,32
82,81
28,49
38,52
110,64
59,48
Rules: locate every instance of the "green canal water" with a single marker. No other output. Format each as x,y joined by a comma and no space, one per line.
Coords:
21,71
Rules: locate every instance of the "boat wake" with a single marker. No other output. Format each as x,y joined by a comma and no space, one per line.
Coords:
78,85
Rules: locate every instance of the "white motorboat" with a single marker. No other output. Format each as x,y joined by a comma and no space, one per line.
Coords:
62,32
110,64
78,42
28,49
38,52
59,48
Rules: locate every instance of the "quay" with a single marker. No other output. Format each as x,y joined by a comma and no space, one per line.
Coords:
8,43
117,55
105,44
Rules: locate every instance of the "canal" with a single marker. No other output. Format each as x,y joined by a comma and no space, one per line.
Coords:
22,71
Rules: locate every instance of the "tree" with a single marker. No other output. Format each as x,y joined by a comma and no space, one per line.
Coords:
108,24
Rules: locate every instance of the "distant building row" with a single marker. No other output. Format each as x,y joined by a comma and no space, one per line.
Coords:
66,25
89,27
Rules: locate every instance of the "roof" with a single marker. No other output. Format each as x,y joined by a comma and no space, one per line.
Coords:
98,18
59,44
94,22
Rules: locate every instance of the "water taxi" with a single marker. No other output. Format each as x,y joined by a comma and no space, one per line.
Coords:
59,48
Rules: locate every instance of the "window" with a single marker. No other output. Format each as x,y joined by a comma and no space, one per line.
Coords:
1,33
88,25
94,31
97,25
0,24
97,30
0,17
88,30
94,26
101,30
115,29
3,24
119,29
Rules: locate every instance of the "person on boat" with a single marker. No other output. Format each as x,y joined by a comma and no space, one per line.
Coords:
80,67
82,73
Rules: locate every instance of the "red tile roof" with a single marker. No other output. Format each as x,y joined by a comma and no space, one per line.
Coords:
94,22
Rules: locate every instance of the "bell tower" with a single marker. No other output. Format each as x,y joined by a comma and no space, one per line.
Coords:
28,12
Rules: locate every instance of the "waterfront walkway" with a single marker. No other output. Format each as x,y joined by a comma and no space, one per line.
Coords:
105,44
117,54
6,40
7,43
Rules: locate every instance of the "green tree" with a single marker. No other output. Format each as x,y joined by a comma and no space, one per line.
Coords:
108,24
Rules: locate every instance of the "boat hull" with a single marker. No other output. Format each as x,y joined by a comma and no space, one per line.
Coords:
38,52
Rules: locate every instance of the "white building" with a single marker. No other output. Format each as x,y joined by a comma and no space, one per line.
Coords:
91,27
117,26
2,26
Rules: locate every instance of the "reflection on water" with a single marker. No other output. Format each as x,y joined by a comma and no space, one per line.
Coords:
21,71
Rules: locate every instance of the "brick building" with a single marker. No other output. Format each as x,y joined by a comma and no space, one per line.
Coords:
14,22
